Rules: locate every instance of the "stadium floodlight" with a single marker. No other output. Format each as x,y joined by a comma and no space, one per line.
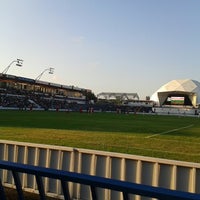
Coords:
18,62
51,71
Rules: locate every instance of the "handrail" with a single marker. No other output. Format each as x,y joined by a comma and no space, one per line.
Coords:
93,181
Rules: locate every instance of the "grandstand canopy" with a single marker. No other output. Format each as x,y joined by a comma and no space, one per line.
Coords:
121,96
184,92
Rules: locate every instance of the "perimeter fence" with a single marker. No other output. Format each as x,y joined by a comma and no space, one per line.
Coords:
152,172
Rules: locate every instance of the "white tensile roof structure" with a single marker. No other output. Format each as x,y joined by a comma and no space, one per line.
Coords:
122,96
190,89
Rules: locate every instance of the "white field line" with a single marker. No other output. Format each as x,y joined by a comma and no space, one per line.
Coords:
170,131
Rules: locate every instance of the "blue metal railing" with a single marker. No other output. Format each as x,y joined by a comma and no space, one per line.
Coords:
93,181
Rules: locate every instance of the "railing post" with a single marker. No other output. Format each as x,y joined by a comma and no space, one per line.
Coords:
18,185
40,187
94,194
65,189
2,192
125,195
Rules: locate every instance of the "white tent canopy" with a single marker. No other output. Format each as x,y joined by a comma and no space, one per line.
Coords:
185,87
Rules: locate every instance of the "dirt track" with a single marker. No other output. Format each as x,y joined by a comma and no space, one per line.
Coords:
11,194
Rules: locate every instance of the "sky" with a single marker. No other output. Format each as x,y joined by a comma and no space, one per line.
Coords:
132,46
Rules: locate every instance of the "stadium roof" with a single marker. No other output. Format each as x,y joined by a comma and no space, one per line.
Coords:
122,96
188,87
26,80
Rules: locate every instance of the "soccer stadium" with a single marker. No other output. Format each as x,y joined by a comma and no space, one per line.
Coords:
125,150
175,97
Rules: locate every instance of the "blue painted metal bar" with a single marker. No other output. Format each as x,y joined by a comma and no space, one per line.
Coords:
125,196
65,189
100,182
2,192
18,185
40,187
94,194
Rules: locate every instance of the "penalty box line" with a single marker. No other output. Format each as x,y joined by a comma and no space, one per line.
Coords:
170,131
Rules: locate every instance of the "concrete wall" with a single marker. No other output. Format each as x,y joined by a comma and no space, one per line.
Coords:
171,174
175,111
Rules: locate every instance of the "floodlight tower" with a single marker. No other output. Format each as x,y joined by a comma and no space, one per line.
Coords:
18,62
51,71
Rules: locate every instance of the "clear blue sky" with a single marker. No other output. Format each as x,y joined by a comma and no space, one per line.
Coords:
103,45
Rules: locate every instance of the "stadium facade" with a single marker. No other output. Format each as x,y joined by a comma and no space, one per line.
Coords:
178,93
22,92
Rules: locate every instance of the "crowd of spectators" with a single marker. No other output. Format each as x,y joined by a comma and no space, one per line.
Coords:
29,100
23,99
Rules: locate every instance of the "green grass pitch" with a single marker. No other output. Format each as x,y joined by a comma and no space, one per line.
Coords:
170,137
